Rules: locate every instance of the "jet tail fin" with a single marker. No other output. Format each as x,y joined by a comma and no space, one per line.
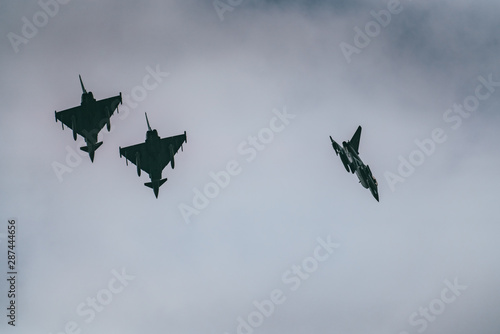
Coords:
152,184
355,139
90,149
155,185
86,148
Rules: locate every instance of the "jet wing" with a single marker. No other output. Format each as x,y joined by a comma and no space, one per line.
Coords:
101,113
66,116
131,152
175,142
163,156
105,108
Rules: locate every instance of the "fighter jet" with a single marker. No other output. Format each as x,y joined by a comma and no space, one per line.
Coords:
89,118
350,158
153,155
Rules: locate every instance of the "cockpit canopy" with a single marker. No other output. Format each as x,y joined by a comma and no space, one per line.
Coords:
151,134
87,97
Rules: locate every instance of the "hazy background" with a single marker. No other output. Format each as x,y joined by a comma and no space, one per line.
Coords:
225,79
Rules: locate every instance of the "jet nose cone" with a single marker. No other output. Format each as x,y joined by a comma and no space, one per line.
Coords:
156,190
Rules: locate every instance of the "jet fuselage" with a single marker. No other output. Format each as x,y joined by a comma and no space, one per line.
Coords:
153,145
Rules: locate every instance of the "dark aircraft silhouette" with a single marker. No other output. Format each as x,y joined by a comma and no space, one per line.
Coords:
350,158
153,155
89,118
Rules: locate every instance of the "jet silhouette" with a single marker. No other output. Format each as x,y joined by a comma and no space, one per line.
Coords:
89,118
153,155
352,162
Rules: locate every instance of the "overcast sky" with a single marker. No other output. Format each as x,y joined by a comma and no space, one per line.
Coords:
291,243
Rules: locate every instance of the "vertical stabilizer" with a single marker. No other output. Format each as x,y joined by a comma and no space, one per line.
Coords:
354,142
